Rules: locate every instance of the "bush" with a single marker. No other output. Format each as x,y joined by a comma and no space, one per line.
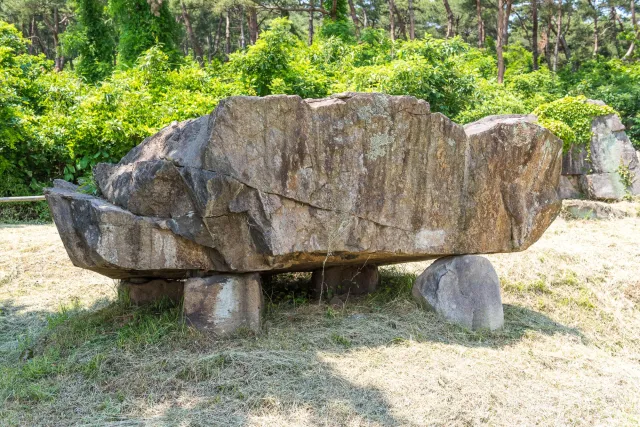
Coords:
492,98
571,117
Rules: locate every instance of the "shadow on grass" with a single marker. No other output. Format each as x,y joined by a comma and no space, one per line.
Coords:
130,365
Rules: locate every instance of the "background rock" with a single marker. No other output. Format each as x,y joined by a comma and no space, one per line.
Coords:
599,177
591,209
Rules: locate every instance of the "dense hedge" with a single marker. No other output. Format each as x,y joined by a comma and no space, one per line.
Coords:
57,124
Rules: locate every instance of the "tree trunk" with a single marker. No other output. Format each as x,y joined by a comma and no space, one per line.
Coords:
227,34
311,29
450,18
243,42
412,25
354,18
558,35
500,41
32,35
59,59
365,19
547,52
480,24
252,16
505,27
216,40
534,33
634,22
613,16
402,28
596,46
197,50
392,26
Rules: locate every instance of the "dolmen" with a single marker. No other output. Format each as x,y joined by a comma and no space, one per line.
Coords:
206,208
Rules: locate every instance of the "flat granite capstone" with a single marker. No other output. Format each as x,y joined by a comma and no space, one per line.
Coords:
280,184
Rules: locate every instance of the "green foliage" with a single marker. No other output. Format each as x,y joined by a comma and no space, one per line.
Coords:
93,39
341,9
615,82
492,98
627,177
341,29
562,131
141,25
429,69
574,112
60,124
277,64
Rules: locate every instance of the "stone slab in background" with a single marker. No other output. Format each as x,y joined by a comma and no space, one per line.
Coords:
574,162
352,280
600,177
570,187
464,290
603,186
611,149
591,209
280,184
225,303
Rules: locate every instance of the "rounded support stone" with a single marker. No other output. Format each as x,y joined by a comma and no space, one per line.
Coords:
464,290
350,279
144,291
225,303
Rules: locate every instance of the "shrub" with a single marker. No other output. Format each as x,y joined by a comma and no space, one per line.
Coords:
576,114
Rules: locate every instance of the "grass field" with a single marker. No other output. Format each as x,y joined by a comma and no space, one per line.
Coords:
71,353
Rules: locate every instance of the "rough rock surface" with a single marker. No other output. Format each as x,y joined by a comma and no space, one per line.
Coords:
599,178
223,304
464,290
285,184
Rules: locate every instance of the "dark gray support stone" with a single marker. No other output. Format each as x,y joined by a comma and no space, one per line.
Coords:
464,289
351,279
143,291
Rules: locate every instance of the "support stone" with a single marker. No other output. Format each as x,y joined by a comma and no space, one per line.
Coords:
225,303
464,290
340,280
144,291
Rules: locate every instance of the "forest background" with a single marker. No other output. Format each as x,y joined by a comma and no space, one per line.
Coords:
83,81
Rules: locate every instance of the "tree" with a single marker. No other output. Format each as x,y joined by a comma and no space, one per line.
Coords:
450,18
499,44
534,33
96,41
142,24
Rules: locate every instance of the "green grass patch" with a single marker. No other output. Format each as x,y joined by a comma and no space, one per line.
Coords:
82,342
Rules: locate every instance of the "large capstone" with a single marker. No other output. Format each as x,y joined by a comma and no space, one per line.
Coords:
284,184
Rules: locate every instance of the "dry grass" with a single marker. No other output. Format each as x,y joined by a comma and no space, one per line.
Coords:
569,354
